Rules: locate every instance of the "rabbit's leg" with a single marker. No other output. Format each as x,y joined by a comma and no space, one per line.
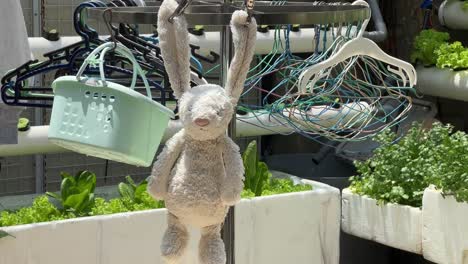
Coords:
211,247
174,241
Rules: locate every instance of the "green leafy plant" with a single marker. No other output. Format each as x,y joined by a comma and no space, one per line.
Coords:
433,48
76,197
256,172
114,206
132,191
76,192
133,197
279,186
400,172
137,194
258,179
425,45
454,56
40,211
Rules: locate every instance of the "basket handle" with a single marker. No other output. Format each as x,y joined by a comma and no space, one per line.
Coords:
121,50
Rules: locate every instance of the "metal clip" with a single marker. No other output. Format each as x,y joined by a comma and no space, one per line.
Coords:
180,9
249,4
108,23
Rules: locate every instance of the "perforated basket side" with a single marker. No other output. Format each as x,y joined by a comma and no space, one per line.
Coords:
111,122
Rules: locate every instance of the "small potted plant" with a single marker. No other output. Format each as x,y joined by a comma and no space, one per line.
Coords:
413,194
383,202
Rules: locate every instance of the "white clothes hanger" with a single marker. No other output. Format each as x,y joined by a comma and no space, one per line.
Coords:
359,46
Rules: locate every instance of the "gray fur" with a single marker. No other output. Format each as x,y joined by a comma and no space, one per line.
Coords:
199,174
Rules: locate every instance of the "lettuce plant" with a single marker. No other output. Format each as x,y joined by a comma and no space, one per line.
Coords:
40,211
454,56
137,194
432,48
76,197
114,206
400,172
425,45
258,179
256,172
133,197
76,192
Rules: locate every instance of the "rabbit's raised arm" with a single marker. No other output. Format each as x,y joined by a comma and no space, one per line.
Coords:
162,168
244,37
175,49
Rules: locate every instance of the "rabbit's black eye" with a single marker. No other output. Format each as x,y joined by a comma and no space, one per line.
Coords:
189,108
219,112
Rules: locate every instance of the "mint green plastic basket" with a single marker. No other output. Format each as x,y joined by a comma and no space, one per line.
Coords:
103,119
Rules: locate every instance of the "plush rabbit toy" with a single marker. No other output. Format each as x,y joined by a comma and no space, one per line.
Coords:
199,174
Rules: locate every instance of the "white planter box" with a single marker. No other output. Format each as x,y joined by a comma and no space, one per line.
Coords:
393,225
299,228
443,83
445,229
294,228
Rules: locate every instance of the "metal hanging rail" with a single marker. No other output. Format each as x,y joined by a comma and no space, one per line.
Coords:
214,14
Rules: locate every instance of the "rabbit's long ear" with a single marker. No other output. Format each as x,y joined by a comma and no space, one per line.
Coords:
244,37
175,50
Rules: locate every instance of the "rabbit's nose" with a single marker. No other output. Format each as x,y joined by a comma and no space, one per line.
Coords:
202,122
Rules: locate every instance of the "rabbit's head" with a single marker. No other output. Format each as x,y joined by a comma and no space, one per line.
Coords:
207,109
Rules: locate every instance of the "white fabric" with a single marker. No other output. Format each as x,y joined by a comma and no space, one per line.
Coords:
14,45
14,51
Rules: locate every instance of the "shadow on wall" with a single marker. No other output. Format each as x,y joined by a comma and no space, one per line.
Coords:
355,250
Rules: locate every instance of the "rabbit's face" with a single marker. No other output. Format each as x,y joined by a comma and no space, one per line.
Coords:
205,111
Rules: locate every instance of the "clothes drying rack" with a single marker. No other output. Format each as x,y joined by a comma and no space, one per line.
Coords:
219,14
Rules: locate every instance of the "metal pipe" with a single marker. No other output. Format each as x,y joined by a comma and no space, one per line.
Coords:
40,46
39,159
31,142
38,113
35,140
37,18
380,34
300,42
226,56
453,16
444,83
304,13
